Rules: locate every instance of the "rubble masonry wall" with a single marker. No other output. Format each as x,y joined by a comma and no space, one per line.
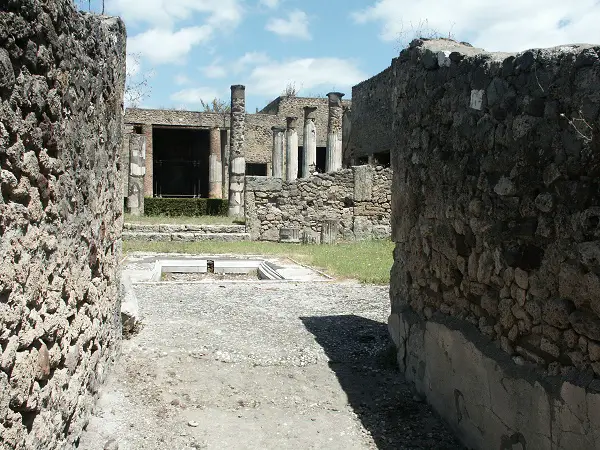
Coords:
358,199
61,99
495,287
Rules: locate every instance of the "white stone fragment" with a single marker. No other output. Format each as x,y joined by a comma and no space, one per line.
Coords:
477,99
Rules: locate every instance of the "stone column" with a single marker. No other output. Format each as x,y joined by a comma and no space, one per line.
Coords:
309,162
137,170
277,161
237,160
292,149
329,231
334,132
215,167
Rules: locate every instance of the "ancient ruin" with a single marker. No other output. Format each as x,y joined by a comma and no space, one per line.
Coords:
61,116
493,194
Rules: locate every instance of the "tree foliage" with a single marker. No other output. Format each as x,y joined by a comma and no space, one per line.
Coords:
216,105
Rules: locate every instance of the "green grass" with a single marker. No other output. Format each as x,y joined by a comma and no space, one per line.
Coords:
367,261
199,220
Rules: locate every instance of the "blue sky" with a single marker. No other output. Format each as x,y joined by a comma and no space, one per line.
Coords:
195,49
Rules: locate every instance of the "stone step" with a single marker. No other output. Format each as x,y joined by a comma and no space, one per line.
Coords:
183,228
188,236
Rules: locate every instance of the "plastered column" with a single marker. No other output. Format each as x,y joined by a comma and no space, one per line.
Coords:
237,161
225,140
334,132
215,167
277,162
348,150
291,148
137,170
309,161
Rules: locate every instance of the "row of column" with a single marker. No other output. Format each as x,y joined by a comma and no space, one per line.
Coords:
334,151
236,170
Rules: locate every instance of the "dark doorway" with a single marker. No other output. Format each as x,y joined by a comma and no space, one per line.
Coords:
321,159
382,159
255,169
180,162
300,161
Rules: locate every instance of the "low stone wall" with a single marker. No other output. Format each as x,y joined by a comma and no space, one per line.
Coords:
495,286
61,96
356,201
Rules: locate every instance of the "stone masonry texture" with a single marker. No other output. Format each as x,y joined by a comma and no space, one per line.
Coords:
357,199
61,95
372,115
496,216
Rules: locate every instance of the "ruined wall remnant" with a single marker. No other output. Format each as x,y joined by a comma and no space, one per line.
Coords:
61,204
358,199
496,214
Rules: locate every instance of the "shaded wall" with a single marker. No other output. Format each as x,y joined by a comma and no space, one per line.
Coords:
61,97
372,116
495,286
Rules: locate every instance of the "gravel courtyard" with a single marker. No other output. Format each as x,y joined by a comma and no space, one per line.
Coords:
261,365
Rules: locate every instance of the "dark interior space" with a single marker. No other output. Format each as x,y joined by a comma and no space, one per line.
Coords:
321,159
382,159
256,169
300,161
362,160
180,162
363,358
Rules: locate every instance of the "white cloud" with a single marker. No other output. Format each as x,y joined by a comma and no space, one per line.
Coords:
182,79
165,13
296,25
308,73
511,25
251,59
133,65
192,96
270,3
162,46
214,70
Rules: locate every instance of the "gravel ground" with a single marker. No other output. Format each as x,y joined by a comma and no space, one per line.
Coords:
261,365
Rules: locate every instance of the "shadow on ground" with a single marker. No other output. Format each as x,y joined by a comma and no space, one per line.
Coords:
363,358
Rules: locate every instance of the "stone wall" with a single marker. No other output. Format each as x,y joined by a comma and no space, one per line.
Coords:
372,116
61,97
495,286
258,139
356,199
175,117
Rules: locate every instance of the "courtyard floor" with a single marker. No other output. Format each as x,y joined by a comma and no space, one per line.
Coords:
261,365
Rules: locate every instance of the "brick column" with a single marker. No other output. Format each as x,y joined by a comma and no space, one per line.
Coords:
334,132
277,160
149,177
215,175
237,160
309,161
291,149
